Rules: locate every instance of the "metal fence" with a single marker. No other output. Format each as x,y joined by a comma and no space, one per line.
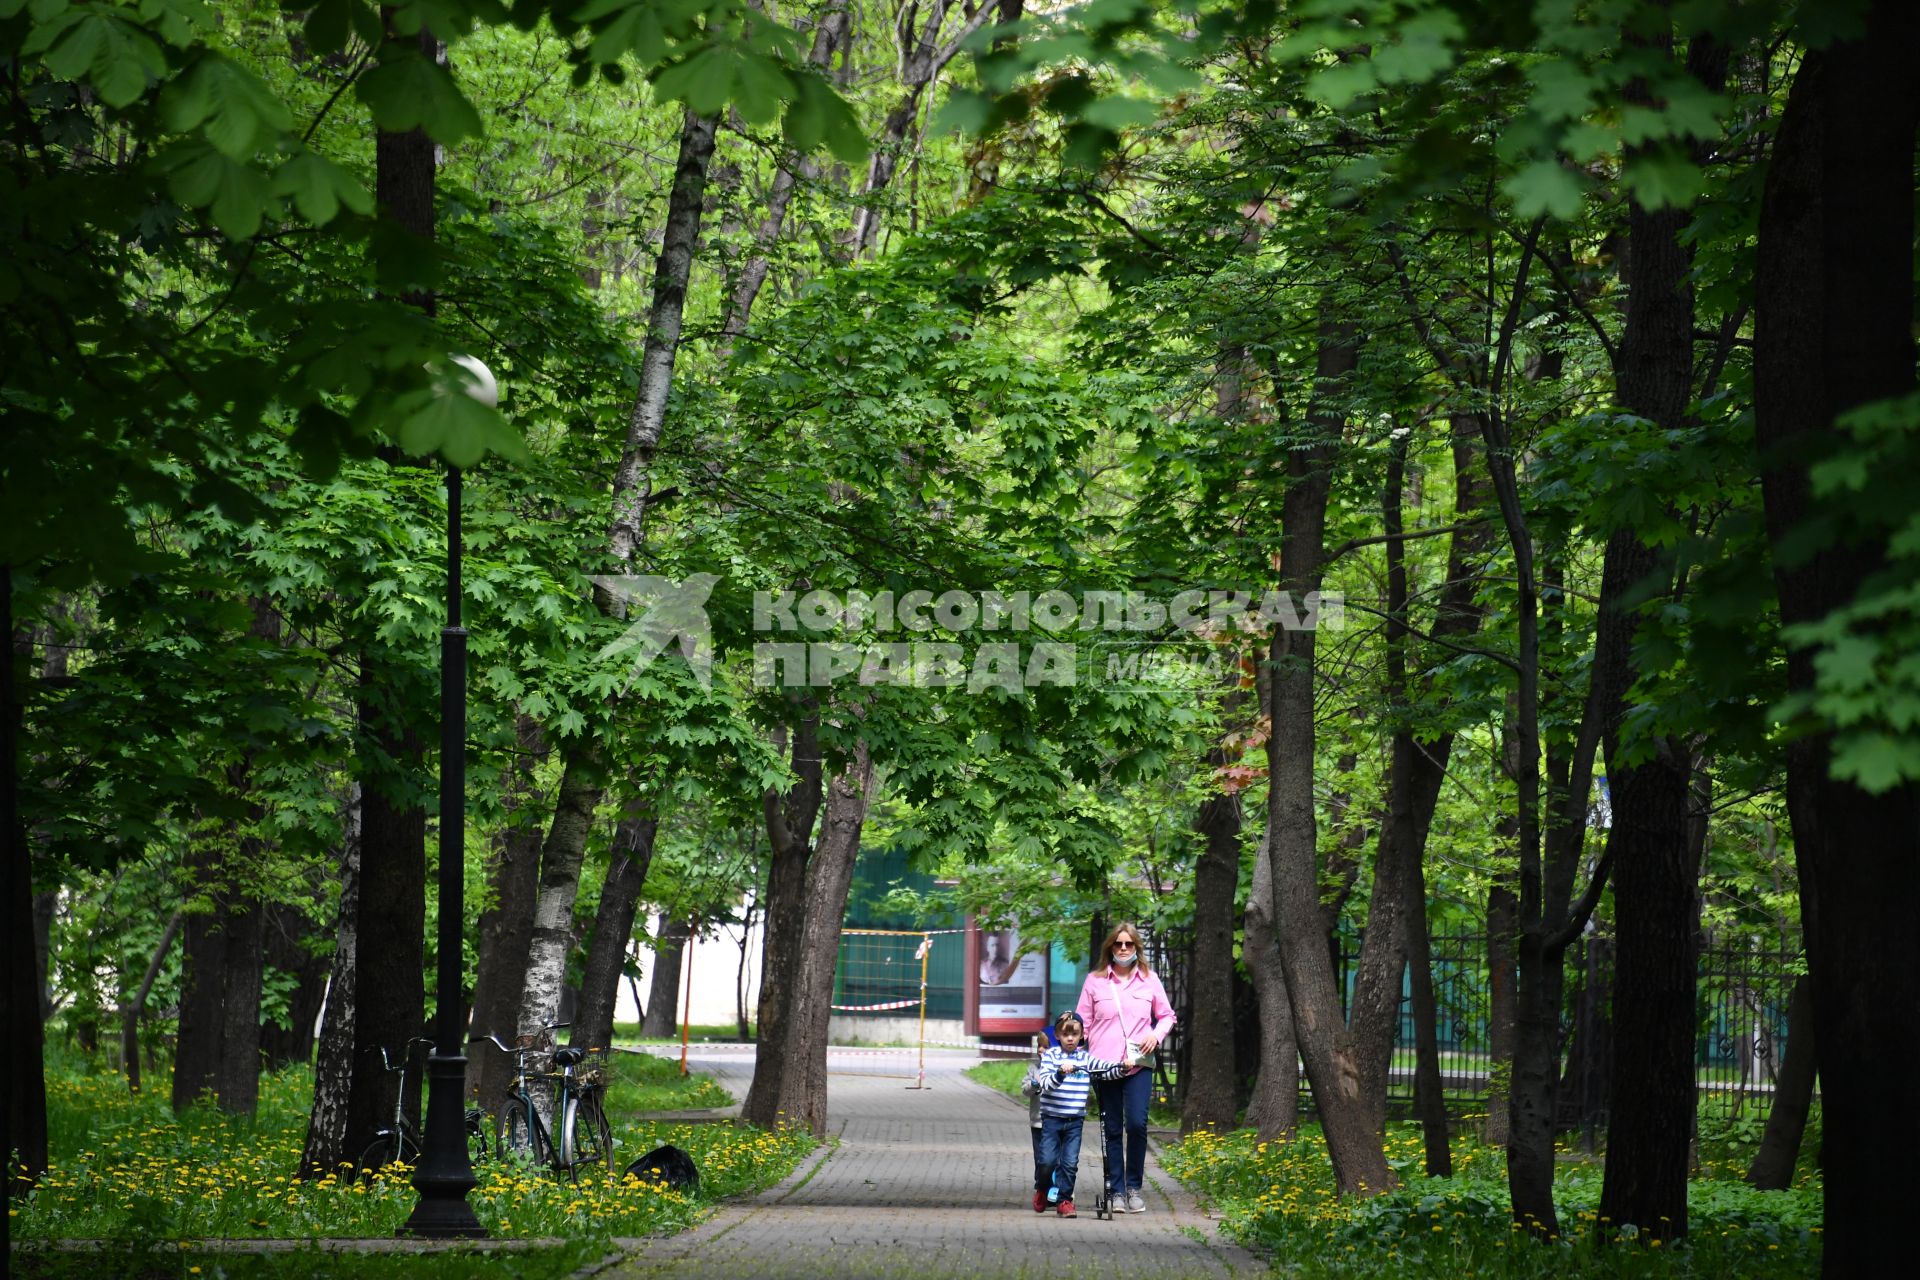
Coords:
1742,1031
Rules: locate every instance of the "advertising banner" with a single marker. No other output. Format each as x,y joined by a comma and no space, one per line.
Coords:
1012,984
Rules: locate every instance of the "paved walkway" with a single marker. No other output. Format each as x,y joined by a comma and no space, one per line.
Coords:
930,1184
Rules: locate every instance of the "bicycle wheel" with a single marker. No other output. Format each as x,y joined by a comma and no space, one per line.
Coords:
386,1149
569,1132
478,1148
519,1133
593,1134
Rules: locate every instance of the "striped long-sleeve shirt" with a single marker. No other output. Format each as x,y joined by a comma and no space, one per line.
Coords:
1064,1093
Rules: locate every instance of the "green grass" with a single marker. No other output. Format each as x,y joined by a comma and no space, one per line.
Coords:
126,1169
1279,1196
646,1082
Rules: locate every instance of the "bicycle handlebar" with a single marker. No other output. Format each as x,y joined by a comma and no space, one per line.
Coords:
386,1055
506,1048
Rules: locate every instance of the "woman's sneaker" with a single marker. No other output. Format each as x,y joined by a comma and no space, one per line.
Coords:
1066,1209
1039,1202
1134,1203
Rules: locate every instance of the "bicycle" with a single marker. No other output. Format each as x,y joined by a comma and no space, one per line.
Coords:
581,1134
399,1141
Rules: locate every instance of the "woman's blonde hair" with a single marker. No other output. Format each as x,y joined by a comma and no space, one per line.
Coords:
1106,948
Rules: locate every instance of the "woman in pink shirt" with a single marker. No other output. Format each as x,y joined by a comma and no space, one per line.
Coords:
1121,1002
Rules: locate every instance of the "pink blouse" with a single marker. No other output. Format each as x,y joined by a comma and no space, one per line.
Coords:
1117,1010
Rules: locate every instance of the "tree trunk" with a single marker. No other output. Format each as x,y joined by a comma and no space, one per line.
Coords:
923,57
1429,1090
506,925
582,784
1212,1094
326,1146
613,929
237,1074
289,934
1773,1164
1503,931
1655,862
44,906
740,974
801,1096
1416,769
1334,1068
829,34
26,1038
662,1018
390,997
552,932
790,819
390,933
1274,1109
1834,312
632,482
203,986
135,1004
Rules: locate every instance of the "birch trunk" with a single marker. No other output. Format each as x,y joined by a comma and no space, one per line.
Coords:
583,773
922,58
829,35
326,1145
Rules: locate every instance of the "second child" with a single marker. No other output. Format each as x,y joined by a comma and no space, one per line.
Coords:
1061,1081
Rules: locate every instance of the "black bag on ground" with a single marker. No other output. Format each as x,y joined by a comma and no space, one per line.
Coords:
668,1166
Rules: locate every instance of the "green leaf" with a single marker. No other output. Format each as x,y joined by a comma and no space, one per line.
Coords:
1562,90
636,30
119,58
704,81
457,428
1545,186
408,91
819,115
1338,86
964,111
1119,113
231,106
1875,762
1423,51
319,187
1663,178
236,194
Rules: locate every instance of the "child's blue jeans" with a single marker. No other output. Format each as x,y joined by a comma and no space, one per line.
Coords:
1060,1151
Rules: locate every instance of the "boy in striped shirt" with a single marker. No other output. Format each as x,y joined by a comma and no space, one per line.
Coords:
1062,1080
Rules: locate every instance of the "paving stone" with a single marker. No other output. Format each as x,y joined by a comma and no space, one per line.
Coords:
930,1184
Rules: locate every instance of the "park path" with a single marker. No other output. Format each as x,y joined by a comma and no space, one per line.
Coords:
931,1184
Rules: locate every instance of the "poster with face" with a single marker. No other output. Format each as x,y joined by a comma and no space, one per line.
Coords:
1013,986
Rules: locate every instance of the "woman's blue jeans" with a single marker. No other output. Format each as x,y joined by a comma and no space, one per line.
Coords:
1124,1101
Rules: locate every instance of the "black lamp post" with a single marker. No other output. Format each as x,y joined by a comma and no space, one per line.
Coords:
445,1172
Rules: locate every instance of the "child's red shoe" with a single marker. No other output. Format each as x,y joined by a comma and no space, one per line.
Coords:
1066,1209
1039,1202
